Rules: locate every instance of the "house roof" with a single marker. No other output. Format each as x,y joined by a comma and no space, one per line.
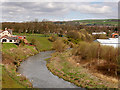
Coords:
10,38
110,42
1,30
9,30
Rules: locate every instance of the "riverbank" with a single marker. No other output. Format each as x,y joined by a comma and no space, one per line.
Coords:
12,57
63,65
34,68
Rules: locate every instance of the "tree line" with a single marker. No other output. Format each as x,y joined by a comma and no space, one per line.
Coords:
51,27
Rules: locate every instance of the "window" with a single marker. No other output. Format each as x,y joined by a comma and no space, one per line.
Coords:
116,36
10,40
4,40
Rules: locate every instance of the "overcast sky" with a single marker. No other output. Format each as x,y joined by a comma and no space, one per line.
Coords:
27,11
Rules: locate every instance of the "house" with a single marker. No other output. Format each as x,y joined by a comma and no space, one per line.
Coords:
95,33
5,32
109,42
113,41
114,35
7,37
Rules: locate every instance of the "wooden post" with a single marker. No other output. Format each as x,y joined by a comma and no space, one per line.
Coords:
98,54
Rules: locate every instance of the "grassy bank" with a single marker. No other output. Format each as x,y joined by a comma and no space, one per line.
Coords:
44,43
13,55
63,65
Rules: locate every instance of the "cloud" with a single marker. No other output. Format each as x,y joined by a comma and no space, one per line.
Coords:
20,11
92,8
60,0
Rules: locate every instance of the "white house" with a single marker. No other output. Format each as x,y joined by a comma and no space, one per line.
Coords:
94,33
7,37
115,42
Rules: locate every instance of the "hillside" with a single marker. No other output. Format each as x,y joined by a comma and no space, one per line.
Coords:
99,21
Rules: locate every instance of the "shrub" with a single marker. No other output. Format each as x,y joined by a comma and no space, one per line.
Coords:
109,53
36,43
22,43
73,34
52,38
33,40
94,51
59,45
76,36
81,50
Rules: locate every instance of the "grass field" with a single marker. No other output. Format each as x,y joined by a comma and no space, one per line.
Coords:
45,44
28,34
99,21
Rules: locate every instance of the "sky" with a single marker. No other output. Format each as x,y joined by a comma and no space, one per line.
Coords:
54,10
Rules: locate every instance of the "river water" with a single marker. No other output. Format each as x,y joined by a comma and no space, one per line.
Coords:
34,68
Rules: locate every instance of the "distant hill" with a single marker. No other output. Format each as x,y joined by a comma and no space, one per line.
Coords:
98,21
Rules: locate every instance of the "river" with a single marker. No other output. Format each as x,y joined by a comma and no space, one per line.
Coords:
34,68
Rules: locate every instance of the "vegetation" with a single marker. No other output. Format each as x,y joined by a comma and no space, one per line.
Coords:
52,38
41,43
59,45
77,36
13,55
74,65
47,28
10,80
70,64
110,22
64,66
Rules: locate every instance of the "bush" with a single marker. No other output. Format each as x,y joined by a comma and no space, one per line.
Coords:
33,40
94,51
52,38
76,36
36,43
22,43
81,50
109,53
73,34
59,45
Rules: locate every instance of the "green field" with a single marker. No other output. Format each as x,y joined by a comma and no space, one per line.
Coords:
28,34
45,44
99,21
